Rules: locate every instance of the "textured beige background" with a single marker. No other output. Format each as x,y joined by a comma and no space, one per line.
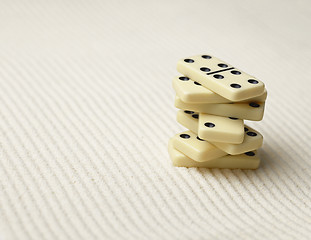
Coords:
86,111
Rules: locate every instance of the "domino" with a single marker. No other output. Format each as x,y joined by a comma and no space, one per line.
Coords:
193,92
252,138
248,160
249,111
221,129
220,77
195,148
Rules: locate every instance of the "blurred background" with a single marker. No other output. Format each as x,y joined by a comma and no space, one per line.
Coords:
87,109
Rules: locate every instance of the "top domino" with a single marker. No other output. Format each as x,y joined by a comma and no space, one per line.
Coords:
221,77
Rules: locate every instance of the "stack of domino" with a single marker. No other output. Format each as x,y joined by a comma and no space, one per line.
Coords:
215,99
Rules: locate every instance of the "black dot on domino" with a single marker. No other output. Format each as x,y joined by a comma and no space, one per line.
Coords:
196,83
206,57
188,60
245,129
186,136
235,85
233,118
255,105
200,139
252,81
205,69
209,124
184,78
188,112
252,134
250,154
235,72
222,65
218,76
196,116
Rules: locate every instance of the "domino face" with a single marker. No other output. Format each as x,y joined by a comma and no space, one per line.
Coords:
221,129
249,111
193,92
249,160
195,148
220,77
252,138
